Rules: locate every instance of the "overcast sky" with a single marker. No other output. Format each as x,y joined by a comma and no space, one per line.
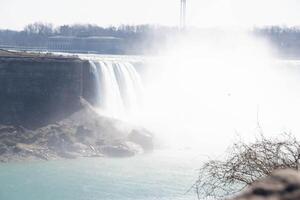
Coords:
15,14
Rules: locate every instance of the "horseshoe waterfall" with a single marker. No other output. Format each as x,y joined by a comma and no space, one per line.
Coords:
118,87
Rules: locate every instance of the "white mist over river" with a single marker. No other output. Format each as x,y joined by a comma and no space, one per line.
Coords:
203,93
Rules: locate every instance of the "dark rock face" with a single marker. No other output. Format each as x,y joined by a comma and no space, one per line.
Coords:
281,185
45,104
35,91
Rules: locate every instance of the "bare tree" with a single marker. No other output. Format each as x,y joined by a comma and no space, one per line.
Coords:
245,164
39,28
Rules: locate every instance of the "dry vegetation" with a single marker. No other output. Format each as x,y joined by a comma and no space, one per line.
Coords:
245,164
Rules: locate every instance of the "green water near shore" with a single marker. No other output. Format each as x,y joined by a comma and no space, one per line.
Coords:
160,175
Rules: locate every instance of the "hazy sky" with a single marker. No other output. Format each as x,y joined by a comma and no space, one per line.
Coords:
14,14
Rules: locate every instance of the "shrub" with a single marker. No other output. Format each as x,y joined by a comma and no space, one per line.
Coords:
245,163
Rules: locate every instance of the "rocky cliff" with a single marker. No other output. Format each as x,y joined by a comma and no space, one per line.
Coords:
36,90
46,112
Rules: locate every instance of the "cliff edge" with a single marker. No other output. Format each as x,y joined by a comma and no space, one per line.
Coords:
46,112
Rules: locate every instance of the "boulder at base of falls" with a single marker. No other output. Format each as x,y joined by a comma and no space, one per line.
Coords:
143,138
125,149
84,133
281,185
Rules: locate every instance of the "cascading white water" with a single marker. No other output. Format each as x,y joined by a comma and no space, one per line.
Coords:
118,87
130,85
200,94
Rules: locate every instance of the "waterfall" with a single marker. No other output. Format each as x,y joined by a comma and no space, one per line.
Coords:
118,87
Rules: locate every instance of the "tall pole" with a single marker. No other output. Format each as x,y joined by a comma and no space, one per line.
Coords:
182,14
298,160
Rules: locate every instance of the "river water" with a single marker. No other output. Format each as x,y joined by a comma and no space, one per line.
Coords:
160,175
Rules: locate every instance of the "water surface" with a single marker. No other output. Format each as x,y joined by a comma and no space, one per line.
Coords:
160,175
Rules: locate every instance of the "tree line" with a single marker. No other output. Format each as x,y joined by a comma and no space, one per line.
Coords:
286,40
134,37
137,37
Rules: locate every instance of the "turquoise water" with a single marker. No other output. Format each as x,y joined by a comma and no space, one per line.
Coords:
160,175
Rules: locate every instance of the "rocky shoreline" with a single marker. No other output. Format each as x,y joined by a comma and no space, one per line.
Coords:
85,133
280,185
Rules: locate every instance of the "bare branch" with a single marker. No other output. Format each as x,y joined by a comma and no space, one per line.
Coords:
245,164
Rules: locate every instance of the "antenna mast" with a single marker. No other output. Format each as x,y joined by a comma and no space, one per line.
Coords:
182,14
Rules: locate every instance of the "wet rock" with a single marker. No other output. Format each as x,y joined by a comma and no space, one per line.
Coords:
20,129
143,138
281,185
27,148
3,149
83,131
100,142
7,129
29,137
9,142
84,150
69,155
126,149
79,147
83,134
55,142
31,150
